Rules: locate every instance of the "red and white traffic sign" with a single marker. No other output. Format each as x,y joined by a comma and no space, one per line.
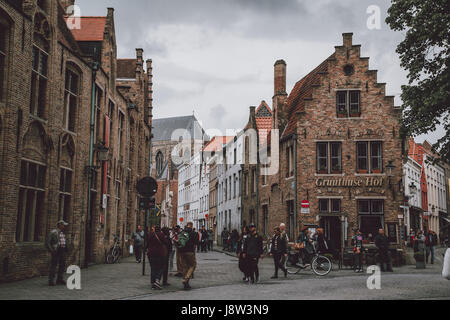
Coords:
305,204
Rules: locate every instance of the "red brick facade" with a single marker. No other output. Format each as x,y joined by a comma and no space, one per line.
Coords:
45,113
311,127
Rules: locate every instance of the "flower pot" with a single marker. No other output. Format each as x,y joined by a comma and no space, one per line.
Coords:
362,171
323,172
342,115
376,171
355,115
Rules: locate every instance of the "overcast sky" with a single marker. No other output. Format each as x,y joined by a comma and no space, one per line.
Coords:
216,56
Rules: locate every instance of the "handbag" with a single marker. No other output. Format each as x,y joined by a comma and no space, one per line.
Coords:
299,246
131,249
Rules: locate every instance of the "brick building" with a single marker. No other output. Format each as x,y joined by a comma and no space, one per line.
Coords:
340,148
55,81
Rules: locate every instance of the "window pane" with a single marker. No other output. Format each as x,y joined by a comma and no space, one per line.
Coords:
42,97
74,84
32,175
361,150
41,177
3,33
336,157
335,205
2,74
376,157
341,98
72,112
354,101
68,181
369,225
43,64
363,207
61,180
377,206
323,205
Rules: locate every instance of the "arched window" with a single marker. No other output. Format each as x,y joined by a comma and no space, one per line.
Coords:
4,49
39,77
30,216
71,94
159,163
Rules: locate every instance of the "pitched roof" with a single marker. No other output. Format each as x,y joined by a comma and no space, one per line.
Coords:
91,29
163,128
126,68
217,142
301,91
263,121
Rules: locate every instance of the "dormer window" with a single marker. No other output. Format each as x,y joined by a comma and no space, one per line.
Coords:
348,104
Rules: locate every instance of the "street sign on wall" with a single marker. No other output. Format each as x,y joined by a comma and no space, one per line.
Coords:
305,207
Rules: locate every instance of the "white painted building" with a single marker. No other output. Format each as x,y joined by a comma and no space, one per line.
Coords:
203,215
413,214
437,201
188,191
229,175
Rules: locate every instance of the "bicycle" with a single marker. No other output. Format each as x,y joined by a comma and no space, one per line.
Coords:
115,252
320,264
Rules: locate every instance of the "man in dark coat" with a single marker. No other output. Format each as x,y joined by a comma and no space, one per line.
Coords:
253,250
278,250
382,243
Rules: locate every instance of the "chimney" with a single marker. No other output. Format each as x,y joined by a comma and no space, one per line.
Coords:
280,77
252,118
347,38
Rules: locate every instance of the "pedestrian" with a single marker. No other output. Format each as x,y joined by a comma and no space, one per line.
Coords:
234,240
210,239
224,235
430,243
322,246
243,262
278,250
412,237
204,239
419,242
357,243
382,243
157,256
165,276
304,246
283,232
138,243
180,271
57,246
187,240
253,250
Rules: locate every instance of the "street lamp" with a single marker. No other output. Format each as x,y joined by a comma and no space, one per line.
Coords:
102,152
389,168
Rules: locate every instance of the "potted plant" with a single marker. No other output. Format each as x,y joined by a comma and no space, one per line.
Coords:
322,170
376,170
342,114
362,171
355,114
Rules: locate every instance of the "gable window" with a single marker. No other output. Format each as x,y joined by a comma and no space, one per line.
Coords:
4,34
31,201
348,104
369,157
70,100
98,103
159,163
329,157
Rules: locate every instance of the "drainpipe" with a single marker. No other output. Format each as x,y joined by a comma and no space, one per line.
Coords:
91,162
295,184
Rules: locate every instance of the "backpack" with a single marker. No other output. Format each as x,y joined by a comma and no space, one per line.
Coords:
183,238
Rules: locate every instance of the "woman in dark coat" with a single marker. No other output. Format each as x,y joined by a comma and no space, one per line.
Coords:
243,265
322,246
157,255
166,232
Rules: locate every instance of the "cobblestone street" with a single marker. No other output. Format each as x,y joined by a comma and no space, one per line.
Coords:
218,277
